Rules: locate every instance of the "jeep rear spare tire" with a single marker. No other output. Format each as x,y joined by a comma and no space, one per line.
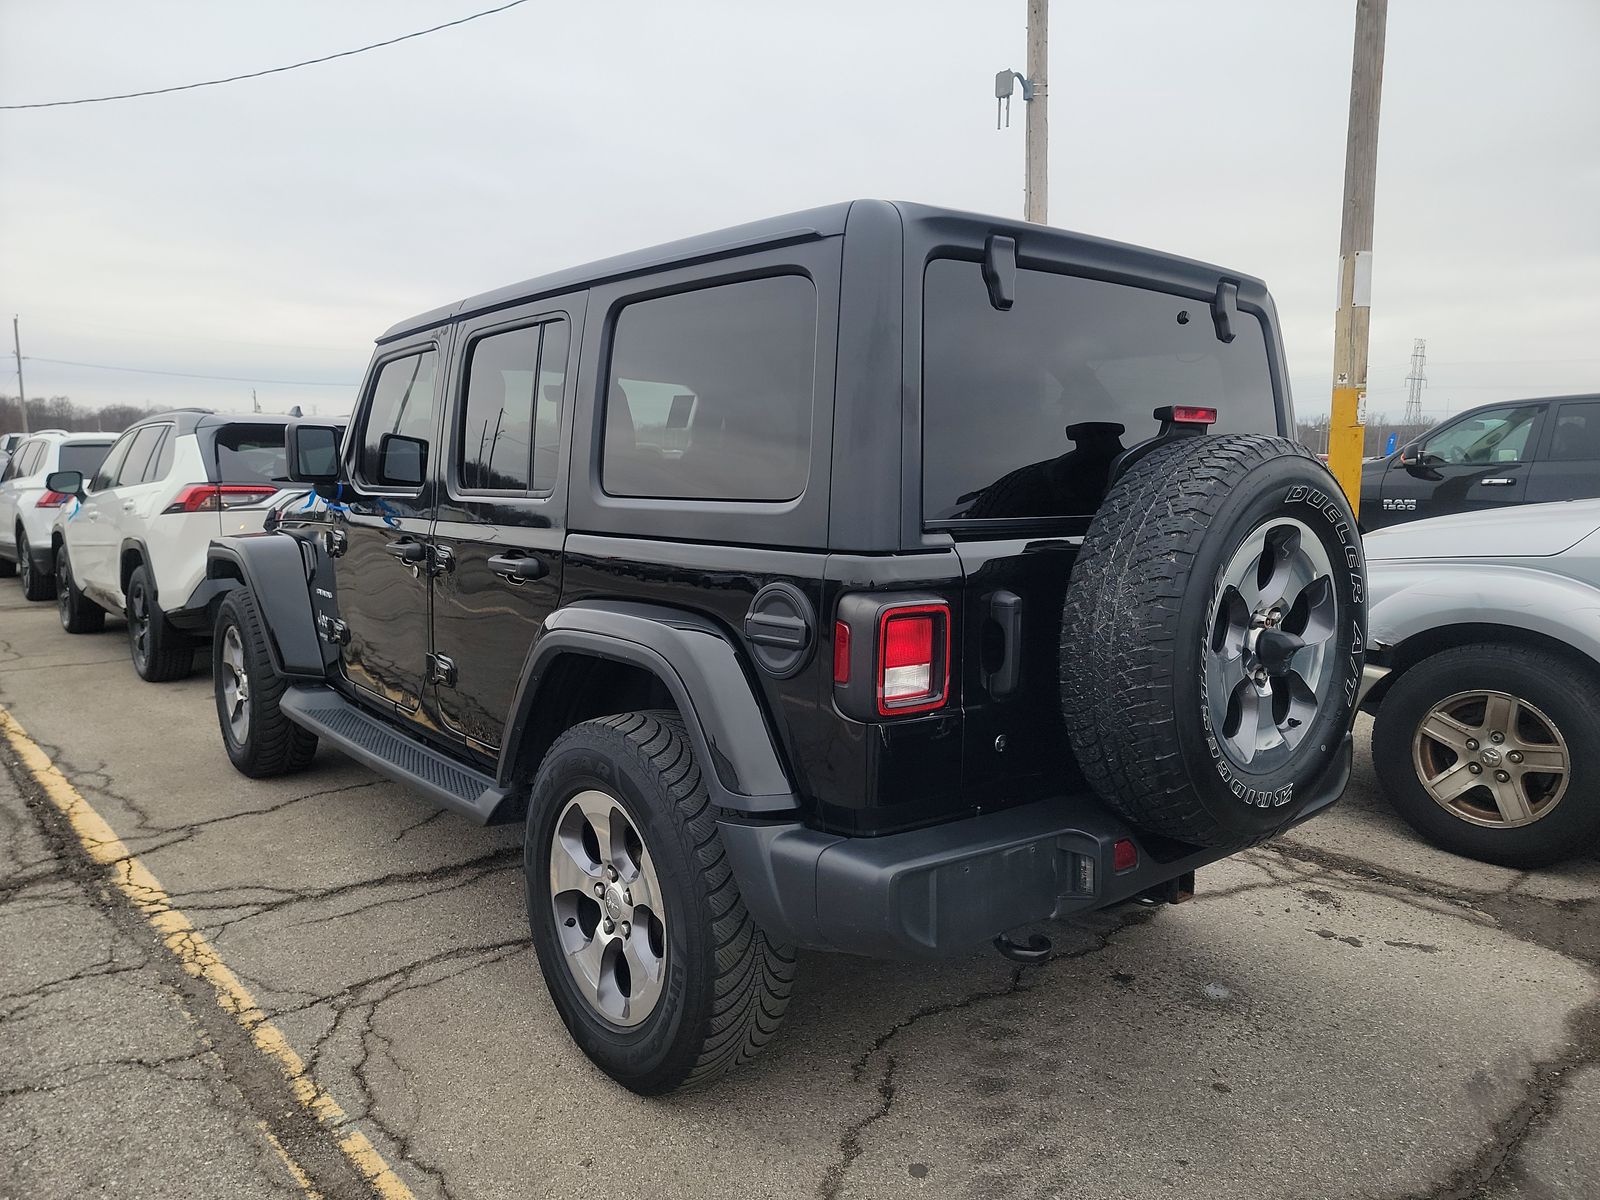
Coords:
1212,638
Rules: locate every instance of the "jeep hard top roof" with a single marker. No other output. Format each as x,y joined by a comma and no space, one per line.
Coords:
809,225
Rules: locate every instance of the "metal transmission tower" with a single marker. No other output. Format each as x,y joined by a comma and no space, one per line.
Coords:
1416,381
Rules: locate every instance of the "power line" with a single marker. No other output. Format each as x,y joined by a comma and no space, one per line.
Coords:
310,62
64,362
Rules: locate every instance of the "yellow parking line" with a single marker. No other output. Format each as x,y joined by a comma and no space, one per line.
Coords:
195,952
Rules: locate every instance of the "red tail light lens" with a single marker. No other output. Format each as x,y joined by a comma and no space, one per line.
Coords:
913,659
213,497
841,653
1124,855
1188,414
52,500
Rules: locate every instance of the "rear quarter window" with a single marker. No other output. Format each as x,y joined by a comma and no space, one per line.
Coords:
251,454
84,459
1024,410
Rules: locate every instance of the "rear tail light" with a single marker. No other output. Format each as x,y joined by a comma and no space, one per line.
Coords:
213,497
913,658
1124,855
52,500
1190,414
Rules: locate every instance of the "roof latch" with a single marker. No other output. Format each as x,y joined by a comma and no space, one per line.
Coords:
1000,270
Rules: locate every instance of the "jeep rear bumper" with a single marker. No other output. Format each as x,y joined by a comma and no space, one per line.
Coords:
953,887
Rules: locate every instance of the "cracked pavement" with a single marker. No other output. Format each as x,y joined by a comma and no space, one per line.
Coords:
1345,1012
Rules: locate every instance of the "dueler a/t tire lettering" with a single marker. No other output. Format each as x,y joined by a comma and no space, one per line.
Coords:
1147,622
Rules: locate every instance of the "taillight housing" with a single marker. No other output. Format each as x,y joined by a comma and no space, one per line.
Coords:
52,500
213,497
892,654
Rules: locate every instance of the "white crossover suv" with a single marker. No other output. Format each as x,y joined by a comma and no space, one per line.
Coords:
27,507
135,542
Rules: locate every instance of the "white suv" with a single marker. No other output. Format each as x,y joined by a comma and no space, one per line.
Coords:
27,507
135,543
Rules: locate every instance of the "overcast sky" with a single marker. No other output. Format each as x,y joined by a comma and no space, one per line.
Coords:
270,229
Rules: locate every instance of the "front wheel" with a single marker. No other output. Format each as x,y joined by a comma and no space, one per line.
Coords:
1493,752
78,613
261,741
658,971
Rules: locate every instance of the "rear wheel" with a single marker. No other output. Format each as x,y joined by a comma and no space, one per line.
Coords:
1211,641
261,741
658,971
36,585
160,652
1493,752
78,613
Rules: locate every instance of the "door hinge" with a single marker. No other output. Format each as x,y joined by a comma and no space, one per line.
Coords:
333,630
334,542
441,560
441,670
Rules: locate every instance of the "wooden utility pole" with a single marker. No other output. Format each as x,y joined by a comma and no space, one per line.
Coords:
1037,187
22,395
1352,324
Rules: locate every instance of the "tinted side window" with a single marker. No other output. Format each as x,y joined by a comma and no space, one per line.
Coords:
82,458
710,393
30,457
251,454
113,463
140,454
1499,435
402,403
1577,432
510,426
1024,410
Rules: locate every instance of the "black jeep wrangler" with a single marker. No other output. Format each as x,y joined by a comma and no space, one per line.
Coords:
879,579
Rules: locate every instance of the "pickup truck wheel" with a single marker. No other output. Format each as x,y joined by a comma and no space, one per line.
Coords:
659,973
160,652
78,613
36,585
1490,752
261,741
1212,638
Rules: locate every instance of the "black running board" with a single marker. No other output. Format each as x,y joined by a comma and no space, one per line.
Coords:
370,740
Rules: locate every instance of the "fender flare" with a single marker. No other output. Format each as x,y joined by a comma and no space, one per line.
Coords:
273,567
138,546
699,667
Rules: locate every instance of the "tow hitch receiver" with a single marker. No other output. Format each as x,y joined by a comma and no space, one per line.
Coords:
1173,891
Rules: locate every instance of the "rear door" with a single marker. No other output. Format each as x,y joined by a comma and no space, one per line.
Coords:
1568,466
135,503
1023,411
386,516
501,516
1481,460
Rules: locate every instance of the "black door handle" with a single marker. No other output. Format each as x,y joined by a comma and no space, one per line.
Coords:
518,568
407,551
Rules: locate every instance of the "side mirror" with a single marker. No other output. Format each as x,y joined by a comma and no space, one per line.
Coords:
311,453
1409,455
402,461
67,483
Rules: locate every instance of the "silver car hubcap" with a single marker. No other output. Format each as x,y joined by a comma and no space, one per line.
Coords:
1267,657
1491,759
235,685
610,920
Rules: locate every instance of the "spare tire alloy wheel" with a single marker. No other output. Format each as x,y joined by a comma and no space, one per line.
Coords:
1491,759
1212,639
609,914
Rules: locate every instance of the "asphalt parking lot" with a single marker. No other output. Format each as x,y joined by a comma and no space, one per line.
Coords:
1342,1013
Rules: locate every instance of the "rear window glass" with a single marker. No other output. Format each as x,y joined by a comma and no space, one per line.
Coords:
711,393
83,459
1024,410
251,454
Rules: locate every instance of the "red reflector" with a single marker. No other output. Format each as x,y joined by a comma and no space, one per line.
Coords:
913,658
1124,855
52,500
841,653
209,497
1186,414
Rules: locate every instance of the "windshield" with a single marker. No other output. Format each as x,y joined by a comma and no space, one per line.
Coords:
1024,410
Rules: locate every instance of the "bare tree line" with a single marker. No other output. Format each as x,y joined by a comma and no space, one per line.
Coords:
59,412
1314,433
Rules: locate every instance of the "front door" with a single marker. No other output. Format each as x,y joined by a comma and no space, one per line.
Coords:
1477,462
91,529
385,513
501,516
